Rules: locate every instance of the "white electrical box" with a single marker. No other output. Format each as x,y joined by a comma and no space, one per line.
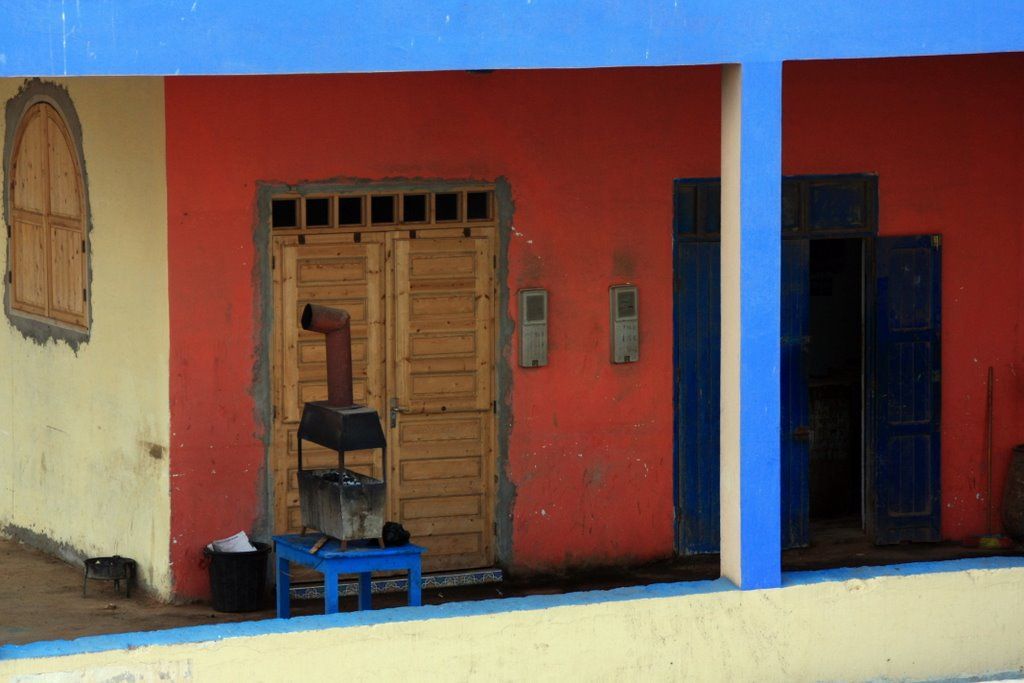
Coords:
625,323
533,328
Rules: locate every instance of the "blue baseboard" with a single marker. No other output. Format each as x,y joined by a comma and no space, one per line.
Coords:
400,584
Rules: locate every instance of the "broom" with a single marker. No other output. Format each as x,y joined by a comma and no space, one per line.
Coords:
990,540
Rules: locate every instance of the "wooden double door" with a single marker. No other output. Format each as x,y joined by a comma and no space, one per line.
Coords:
422,307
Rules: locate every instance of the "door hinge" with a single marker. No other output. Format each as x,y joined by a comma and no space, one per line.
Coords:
10,276
494,407
274,411
495,262
936,241
495,528
273,262
8,231
83,246
83,295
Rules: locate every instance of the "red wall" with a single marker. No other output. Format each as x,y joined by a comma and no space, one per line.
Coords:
590,156
946,137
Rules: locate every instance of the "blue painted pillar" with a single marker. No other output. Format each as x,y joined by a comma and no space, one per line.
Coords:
751,275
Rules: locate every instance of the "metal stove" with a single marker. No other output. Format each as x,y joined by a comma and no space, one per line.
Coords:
338,502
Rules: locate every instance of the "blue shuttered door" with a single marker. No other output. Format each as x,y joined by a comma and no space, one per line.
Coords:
795,434
698,364
698,367
906,463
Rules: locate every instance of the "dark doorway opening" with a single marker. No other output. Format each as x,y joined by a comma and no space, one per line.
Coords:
835,368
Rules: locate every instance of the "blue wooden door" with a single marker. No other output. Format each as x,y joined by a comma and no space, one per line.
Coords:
794,428
697,419
904,496
698,366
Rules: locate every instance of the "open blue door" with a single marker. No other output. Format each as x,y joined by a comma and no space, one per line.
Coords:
904,493
795,431
812,207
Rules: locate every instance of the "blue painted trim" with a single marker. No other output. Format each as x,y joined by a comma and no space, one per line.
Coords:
760,306
167,37
198,634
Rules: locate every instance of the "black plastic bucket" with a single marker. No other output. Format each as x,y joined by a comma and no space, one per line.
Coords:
238,581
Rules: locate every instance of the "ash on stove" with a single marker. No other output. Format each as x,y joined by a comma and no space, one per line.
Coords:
346,477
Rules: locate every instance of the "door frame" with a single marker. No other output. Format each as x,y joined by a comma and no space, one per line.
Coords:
696,218
262,388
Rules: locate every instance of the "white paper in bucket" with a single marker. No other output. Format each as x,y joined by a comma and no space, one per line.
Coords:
239,543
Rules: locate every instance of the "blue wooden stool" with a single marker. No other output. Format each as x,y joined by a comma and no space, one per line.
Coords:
331,561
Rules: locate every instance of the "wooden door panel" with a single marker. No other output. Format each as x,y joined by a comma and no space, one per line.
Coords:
341,274
442,447
28,264
443,313
65,195
445,506
440,477
449,552
67,275
29,191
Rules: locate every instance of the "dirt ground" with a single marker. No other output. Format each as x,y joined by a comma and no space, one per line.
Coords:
41,597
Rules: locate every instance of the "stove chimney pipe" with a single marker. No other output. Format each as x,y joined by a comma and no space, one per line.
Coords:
335,324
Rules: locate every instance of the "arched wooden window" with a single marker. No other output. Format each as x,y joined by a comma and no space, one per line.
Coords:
48,275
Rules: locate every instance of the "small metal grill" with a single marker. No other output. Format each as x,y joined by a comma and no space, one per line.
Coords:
338,502
115,568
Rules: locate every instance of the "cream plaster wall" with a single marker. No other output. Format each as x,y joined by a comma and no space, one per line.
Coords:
924,626
84,436
730,524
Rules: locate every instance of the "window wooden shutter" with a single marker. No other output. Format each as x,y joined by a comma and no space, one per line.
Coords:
48,240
